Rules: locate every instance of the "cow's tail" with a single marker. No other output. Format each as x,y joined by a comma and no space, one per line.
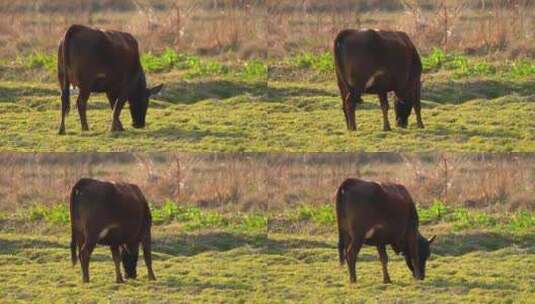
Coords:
339,64
340,216
73,201
416,74
63,65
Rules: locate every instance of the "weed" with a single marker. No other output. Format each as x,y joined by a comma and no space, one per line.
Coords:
191,218
58,214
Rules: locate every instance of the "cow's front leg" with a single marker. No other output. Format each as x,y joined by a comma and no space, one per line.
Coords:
384,263
383,98
116,124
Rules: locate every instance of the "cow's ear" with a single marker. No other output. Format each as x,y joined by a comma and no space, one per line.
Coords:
432,239
155,90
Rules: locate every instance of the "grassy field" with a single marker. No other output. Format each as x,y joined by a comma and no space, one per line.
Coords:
478,257
211,105
199,256
208,266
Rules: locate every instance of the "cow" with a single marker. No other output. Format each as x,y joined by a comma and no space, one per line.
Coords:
100,61
111,214
379,214
377,62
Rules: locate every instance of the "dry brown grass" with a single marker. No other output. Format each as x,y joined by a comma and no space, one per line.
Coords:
252,28
225,28
273,181
497,27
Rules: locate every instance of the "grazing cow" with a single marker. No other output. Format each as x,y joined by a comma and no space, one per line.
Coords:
379,214
111,214
106,62
377,62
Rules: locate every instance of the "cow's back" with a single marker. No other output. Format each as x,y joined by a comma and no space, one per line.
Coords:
384,209
375,60
362,202
99,205
91,53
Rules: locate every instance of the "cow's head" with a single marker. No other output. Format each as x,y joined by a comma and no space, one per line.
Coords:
403,111
130,257
417,266
139,100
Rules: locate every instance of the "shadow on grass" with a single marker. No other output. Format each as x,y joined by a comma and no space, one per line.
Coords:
183,92
281,93
454,244
13,247
185,244
192,136
459,244
439,91
460,91
13,94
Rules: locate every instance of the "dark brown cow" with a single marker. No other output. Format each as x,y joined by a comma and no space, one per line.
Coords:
111,214
107,62
379,215
377,62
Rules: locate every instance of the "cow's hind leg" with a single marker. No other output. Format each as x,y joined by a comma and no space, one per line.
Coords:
349,110
344,93
384,262
112,99
147,255
346,116
383,98
344,241
65,106
352,255
81,103
417,111
116,254
85,254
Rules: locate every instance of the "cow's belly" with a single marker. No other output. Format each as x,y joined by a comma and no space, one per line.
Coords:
112,234
378,234
100,84
378,84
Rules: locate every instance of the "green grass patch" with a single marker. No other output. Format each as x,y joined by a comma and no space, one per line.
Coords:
195,66
459,218
459,66
192,66
58,214
40,61
189,217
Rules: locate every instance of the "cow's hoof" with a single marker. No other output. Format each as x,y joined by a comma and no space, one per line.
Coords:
61,132
387,281
119,281
387,128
